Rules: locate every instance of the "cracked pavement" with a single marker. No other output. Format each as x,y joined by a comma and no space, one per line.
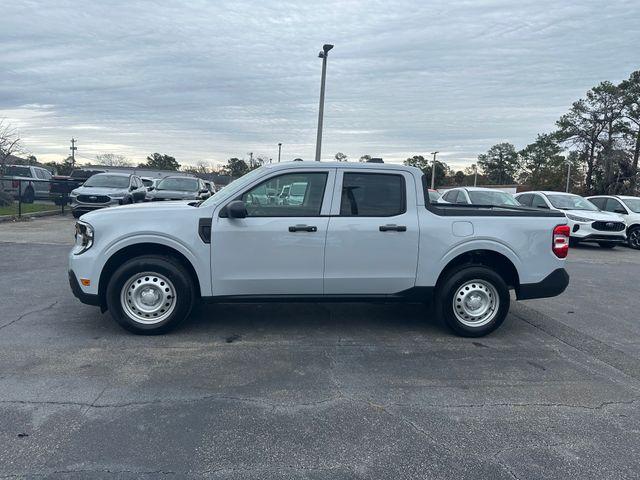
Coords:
311,391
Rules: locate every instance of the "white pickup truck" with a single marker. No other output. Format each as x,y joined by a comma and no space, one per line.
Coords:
361,232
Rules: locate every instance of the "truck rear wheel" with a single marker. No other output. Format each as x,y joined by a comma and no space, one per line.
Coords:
151,294
473,301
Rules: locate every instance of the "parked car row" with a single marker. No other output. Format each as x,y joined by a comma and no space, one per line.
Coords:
109,189
607,220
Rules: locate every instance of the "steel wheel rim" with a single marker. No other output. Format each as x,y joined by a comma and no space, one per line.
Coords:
634,238
148,298
476,303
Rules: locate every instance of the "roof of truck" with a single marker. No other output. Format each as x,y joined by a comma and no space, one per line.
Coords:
349,165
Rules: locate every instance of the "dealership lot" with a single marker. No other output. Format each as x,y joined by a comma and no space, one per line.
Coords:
316,390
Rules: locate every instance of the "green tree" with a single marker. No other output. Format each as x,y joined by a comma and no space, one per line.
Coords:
543,165
161,162
236,167
630,90
61,168
499,164
459,178
340,157
364,158
442,169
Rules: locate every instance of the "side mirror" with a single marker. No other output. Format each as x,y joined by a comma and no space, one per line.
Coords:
237,209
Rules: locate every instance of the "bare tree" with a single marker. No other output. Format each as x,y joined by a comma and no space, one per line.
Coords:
112,160
10,142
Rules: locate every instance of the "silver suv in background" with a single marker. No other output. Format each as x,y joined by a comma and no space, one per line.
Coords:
179,188
106,190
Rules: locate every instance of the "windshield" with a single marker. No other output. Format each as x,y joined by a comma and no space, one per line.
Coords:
633,204
239,183
176,183
571,202
492,198
108,181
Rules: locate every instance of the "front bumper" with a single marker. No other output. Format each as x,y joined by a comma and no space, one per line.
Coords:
85,207
585,232
552,285
87,298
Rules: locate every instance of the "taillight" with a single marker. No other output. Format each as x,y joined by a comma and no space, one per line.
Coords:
560,244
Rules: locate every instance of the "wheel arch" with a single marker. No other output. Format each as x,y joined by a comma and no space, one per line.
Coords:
137,250
633,226
497,261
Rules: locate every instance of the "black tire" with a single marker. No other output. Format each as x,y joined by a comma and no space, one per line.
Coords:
633,238
607,245
28,196
448,289
166,266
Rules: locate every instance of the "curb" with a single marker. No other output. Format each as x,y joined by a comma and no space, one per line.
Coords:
15,218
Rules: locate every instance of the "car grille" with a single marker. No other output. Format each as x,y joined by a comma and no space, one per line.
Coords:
93,198
608,226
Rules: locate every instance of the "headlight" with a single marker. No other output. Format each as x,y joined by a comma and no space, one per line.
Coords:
84,238
575,218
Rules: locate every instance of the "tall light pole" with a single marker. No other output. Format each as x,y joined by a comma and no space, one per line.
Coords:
323,55
279,151
433,171
568,175
475,175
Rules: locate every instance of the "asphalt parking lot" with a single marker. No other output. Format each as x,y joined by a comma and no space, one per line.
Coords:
316,390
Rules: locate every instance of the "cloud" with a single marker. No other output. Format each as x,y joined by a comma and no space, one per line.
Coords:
205,80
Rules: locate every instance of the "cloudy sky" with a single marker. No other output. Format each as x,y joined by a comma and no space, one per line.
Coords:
207,80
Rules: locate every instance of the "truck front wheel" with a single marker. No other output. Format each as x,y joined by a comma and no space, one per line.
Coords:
473,301
150,294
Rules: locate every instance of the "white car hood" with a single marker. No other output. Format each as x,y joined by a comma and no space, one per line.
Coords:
603,216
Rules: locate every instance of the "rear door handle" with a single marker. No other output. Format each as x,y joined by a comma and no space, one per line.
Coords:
393,228
303,228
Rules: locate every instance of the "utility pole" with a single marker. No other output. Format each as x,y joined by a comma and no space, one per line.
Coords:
323,55
433,171
73,151
568,175
279,151
250,159
475,175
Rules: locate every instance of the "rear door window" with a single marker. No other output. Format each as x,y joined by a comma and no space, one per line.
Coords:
372,195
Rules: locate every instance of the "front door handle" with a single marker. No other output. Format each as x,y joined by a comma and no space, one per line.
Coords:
393,228
303,228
